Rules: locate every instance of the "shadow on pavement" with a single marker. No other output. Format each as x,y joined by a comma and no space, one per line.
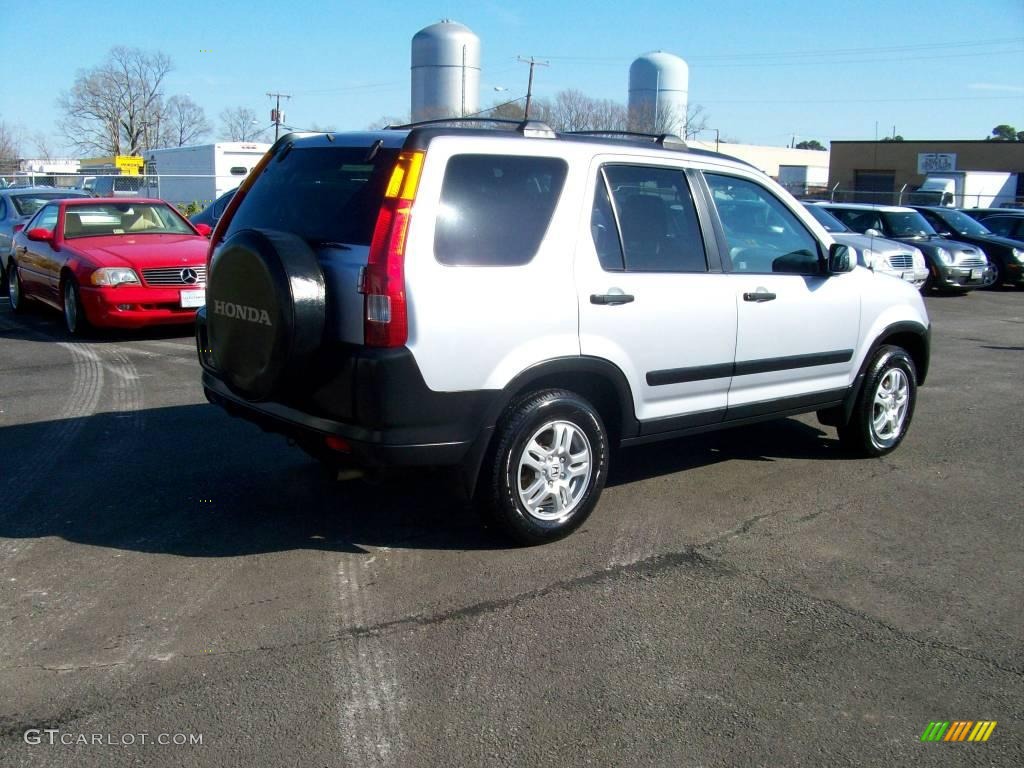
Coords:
192,481
42,323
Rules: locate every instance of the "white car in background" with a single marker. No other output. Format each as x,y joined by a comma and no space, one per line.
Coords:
889,257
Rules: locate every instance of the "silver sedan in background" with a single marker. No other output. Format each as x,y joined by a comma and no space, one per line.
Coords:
889,257
17,206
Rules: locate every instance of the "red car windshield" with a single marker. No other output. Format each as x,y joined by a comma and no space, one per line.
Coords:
105,219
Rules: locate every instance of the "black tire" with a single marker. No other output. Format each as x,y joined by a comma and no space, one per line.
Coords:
75,321
15,292
535,416
997,277
859,435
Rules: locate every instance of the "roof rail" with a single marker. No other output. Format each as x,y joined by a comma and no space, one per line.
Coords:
664,140
533,128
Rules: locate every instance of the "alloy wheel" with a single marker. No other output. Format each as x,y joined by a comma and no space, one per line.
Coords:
554,470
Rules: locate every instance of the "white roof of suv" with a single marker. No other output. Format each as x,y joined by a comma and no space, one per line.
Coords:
867,207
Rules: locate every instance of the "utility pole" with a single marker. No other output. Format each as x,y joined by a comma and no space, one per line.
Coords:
276,115
529,86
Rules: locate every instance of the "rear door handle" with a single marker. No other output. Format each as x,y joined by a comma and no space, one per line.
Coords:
610,298
759,296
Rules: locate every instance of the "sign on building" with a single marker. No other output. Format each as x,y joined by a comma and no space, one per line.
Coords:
931,162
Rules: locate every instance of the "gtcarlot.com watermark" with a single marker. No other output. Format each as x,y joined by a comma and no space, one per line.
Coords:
57,737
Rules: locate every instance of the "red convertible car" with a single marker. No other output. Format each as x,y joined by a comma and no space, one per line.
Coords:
111,262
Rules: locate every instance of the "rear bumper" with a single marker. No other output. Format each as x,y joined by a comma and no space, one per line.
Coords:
375,400
134,306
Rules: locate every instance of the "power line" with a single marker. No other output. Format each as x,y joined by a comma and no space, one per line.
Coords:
817,53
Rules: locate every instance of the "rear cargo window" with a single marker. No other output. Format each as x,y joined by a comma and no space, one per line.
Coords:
495,209
321,194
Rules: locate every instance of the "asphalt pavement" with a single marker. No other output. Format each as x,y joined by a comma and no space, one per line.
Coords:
745,598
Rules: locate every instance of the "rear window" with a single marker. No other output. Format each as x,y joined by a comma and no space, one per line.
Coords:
495,209
321,194
26,205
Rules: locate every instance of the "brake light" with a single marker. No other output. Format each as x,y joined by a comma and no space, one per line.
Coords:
386,317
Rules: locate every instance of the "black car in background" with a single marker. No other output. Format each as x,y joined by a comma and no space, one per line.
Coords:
1000,221
1004,254
211,214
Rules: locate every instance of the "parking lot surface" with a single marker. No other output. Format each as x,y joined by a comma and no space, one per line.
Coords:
743,598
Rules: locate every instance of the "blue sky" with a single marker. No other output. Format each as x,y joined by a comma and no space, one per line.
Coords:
764,71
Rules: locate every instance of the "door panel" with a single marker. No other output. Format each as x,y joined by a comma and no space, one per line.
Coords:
797,328
799,343
675,337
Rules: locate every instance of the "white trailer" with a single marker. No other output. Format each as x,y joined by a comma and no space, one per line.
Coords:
967,189
200,174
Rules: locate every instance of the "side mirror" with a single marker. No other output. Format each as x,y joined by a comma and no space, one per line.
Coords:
839,259
40,235
204,229
872,232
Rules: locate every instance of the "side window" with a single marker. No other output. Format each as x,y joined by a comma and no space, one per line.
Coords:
3,209
1001,225
603,229
495,209
220,205
762,234
936,221
46,218
657,219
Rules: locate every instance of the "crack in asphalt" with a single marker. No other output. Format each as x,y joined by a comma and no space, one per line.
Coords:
690,558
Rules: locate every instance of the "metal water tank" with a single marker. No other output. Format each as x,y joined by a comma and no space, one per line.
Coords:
659,86
445,71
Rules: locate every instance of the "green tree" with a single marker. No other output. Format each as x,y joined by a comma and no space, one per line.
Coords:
897,137
812,144
1005,132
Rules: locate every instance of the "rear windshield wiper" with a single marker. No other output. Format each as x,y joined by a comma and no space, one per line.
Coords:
329,244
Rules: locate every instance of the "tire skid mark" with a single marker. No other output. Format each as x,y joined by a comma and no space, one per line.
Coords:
364,677
636,538
87,379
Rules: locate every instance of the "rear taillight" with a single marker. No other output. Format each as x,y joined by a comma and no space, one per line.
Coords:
386,319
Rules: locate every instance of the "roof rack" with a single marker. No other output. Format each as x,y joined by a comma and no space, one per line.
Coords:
664,140
531,128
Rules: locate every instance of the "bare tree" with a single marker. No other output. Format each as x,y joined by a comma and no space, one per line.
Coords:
669,118
696,120
10,149
183,122
43,147
510,110
10,142
116,107
573,110
385,120
241,124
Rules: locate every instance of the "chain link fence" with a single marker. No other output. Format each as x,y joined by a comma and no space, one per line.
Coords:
189,192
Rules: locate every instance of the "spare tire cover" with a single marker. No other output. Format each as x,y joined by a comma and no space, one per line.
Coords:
265,309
